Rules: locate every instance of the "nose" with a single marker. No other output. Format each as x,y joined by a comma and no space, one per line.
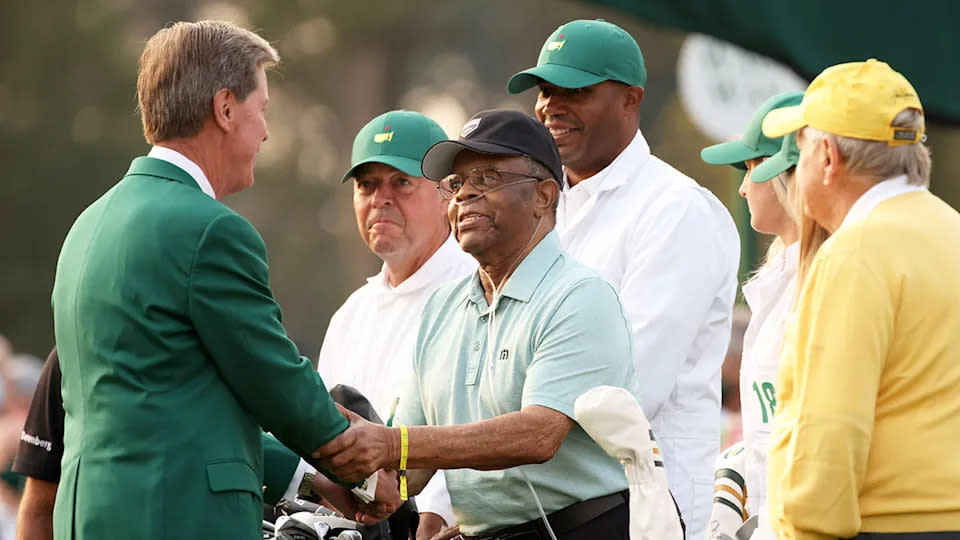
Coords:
383,196
551,105
466,192
743,185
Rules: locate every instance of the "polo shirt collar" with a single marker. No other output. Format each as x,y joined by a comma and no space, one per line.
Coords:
887,189
529,273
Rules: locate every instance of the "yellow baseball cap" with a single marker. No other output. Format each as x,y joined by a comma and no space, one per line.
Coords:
856,99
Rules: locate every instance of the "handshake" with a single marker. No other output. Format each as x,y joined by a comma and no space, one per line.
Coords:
365,453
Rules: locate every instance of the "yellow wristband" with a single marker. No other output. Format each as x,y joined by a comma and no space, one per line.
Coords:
404,447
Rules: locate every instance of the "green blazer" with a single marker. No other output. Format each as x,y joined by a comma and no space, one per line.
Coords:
173,357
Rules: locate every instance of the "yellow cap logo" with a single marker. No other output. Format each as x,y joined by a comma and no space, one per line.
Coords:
556,45
383,137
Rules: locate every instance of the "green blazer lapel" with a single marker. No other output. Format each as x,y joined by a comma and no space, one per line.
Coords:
148,166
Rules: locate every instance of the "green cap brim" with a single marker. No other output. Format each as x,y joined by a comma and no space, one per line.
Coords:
562,76
405,164
729,153
770,168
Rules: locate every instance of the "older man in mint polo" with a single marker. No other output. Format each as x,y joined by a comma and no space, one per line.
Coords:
502,355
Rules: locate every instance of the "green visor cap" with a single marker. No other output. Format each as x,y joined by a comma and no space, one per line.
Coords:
396,138
582,53
782,161
753,144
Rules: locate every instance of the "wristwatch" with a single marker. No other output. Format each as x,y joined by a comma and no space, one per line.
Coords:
305,490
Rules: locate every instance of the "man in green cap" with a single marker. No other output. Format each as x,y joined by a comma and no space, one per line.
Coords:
667,245
402,218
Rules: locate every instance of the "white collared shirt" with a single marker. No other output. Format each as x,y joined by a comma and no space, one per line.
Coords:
182,161
771,295
881,191
370,342
672,251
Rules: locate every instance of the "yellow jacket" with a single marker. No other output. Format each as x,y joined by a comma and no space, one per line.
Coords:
867,432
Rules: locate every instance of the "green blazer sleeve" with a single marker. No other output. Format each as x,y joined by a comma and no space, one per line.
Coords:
238,321
279,464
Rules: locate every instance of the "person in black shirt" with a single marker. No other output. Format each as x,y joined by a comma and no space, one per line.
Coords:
38,457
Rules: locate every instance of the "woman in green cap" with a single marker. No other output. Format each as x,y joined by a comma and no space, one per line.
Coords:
770,293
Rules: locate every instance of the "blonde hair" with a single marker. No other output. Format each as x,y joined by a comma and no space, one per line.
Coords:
184,65
812,236
785,190
879,159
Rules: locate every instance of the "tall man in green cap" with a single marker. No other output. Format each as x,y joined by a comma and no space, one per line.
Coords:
402,218
667,245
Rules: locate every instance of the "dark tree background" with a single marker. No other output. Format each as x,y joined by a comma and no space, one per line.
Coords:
69,125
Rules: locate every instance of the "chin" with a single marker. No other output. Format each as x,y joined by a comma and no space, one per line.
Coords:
383,247
471,244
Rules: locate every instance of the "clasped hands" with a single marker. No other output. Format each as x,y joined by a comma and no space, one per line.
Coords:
363,449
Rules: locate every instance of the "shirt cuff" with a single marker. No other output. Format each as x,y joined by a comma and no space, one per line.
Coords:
302,468
435,499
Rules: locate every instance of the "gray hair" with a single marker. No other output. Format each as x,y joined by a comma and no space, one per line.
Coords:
184,65
877,158
539,170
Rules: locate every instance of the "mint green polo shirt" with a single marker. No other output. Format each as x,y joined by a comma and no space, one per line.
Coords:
560,332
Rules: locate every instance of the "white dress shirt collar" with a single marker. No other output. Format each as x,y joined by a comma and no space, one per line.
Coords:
887,189
574,200
182,161
427,274
613,175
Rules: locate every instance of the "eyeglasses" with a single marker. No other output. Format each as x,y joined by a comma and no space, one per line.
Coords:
483,179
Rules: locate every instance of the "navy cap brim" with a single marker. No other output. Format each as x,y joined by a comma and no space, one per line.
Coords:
438,161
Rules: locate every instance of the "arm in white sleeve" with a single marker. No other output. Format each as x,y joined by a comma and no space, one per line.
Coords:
435,499
330,354
302,468
671,281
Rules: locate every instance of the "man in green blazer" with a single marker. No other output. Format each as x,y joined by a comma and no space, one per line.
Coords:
171,347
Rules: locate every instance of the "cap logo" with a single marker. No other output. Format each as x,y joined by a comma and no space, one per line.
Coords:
383,137
904,135
470,127
556,45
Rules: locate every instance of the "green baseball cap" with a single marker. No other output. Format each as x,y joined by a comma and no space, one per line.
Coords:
782,161
582,53
396,138
753,143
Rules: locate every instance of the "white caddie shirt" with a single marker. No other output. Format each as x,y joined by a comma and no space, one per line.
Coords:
771,295
369,345
671,250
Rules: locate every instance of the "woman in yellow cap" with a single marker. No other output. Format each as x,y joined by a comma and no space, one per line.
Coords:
740,488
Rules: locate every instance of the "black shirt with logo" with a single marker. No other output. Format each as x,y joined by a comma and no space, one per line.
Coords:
41,441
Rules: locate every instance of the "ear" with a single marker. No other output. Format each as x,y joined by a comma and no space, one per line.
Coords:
634,97
223,108
832,161
547,193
